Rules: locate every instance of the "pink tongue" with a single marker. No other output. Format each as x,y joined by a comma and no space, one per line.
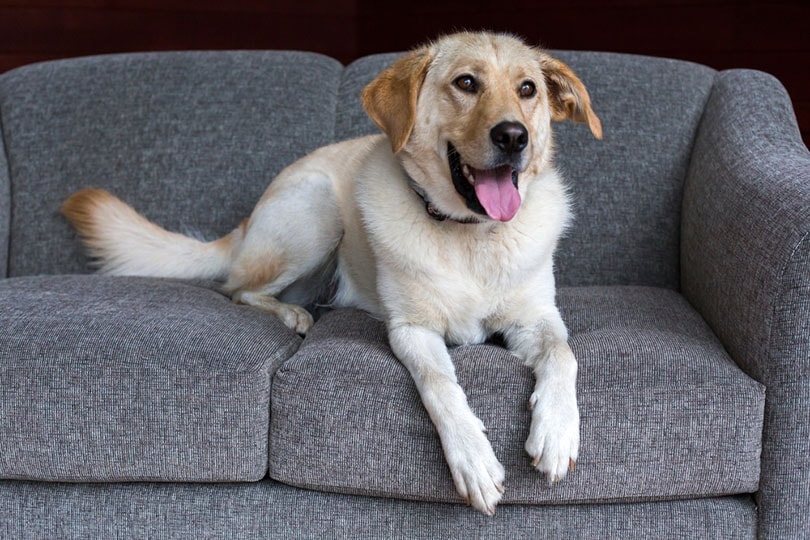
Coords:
496,192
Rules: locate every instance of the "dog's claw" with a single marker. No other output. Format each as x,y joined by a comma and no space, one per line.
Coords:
572,465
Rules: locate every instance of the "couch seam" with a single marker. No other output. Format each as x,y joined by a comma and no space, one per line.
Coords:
686,180
9,220
782,292
336,107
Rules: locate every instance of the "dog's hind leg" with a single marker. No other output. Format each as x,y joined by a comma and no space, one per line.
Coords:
291,235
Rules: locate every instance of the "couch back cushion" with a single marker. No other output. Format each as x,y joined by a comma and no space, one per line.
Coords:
190,139
627,188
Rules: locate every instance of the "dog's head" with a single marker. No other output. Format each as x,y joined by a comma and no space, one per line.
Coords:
470,116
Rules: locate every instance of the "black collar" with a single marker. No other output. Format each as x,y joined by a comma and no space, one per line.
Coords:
432,210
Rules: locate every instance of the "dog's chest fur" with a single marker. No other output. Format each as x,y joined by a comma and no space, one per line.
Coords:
458,279
462,283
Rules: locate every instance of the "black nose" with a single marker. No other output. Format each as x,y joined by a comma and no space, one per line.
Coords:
511,137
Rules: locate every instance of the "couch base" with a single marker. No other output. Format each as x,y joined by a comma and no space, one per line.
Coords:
268,509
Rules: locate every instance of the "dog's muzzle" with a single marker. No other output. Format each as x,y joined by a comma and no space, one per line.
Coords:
492,192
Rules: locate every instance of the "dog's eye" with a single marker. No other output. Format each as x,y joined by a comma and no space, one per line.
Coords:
466,83
527,89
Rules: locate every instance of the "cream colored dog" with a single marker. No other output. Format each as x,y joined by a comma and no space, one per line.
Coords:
444,227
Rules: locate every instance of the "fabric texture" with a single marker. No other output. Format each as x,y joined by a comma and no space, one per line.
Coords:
665,412
5,204
350,118
271,510
746,266
627,188
116,379
190,139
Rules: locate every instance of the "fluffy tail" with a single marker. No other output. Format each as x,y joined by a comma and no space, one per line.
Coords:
124,243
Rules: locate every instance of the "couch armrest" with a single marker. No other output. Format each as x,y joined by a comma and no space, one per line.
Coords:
745,265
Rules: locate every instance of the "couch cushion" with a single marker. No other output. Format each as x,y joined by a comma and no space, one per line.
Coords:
133,379
271,511
168,132
351,119
665,412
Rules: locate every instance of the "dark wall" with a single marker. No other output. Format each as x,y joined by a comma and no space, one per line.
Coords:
773,36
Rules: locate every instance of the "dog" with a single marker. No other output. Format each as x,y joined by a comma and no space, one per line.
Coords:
444,226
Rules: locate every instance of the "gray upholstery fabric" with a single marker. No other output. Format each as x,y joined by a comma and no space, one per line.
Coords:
350,118
109,379
665,412
701,183
190,139
746,266
5,204
270,510
626,188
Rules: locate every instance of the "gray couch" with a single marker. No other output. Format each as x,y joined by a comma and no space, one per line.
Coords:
159,409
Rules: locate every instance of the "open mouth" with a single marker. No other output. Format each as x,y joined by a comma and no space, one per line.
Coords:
490,192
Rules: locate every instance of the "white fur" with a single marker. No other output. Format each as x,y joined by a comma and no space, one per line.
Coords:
434,282
132,246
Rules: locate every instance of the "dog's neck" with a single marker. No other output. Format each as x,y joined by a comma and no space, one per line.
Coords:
432,210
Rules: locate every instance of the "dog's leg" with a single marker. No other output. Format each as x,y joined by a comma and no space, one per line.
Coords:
553,442
291,235
294,317
477,474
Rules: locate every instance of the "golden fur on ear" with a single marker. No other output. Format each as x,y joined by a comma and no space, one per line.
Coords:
390,99
568,97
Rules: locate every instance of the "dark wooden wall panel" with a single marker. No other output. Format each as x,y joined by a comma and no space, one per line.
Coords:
773,36
41,30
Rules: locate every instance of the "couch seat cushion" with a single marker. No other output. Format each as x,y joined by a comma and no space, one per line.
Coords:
133,379
665,411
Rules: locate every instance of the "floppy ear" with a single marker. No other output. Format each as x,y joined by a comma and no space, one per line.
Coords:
390,99
567,95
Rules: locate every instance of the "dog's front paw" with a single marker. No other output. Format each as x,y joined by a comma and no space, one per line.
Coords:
477,473
553,442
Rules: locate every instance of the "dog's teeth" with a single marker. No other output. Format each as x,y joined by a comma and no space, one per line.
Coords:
467,172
